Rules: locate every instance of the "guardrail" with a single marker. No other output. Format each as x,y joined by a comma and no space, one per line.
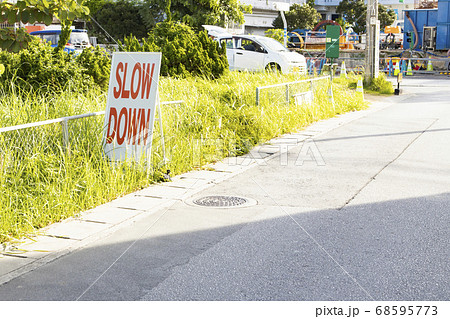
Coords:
64,123
287,84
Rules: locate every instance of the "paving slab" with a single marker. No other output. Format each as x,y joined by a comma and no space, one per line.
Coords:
206,175
109,214
44,244
155,195
75,229
189,183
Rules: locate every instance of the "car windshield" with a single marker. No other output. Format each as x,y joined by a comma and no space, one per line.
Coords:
272,44
79,38
52,38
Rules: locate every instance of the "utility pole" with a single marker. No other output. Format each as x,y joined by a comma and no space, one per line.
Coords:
372,40
282,7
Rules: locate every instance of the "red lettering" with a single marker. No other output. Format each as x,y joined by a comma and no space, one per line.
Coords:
125,93
135,93
132,126
110,135
147,79
119,81
123,112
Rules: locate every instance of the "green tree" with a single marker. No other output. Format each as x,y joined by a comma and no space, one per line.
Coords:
95,5
354,12
386,16
116,20
184,51
300,16
277,34
32,11
195,14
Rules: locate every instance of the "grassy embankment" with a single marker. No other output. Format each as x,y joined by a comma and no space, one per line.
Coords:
40,183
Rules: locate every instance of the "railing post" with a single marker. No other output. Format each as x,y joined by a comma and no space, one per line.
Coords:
65,135
257,96
287,94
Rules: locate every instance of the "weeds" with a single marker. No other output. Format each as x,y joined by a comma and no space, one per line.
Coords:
377,86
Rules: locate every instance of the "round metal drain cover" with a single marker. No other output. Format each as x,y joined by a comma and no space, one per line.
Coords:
221,201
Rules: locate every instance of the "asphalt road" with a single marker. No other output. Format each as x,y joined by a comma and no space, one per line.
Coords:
360,213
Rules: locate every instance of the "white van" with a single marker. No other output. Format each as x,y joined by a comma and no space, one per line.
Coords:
258,53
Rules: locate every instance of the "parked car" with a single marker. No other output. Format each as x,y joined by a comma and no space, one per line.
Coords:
257,53
79,39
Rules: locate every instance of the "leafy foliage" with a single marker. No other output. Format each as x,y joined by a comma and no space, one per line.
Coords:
137,18
277,34
386,16
195,14
184,52
107,28
380,85
14,40
96,64
354,12
32,11
41,67
300,16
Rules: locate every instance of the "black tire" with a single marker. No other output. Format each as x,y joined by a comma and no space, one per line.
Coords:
273,67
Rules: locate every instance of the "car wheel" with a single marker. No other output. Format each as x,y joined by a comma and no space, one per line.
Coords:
273,67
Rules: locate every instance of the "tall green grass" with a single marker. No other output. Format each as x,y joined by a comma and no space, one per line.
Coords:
41,183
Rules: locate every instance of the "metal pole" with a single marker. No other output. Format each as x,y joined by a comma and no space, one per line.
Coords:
285,28
257,96
65,135
372,40
287,94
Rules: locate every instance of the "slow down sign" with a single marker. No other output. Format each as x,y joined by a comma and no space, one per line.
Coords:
131,105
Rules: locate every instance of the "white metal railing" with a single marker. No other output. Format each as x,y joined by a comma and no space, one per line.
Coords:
287,85
64,122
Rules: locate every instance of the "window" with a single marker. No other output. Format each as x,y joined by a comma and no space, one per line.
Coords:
52,38
250,45
228,43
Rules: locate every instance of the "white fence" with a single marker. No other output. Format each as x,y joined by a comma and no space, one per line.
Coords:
64,123
287,85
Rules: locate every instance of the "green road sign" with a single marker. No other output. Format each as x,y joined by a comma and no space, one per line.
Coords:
332,43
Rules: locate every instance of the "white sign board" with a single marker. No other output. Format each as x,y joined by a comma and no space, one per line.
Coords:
131,105
281,6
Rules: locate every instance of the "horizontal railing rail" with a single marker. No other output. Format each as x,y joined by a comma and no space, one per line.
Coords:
64,122
64,119
287,85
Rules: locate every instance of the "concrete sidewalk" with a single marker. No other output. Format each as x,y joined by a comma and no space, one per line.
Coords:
348,184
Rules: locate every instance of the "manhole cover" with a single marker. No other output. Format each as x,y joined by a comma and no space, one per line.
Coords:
221,201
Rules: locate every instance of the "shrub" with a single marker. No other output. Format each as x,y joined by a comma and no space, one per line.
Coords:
95,63
380,85
277,34
41,67
184,52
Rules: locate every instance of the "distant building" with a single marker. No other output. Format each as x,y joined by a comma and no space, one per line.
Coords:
327,8
262,16
264,13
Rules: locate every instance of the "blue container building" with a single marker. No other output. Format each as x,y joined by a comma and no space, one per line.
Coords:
438,18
